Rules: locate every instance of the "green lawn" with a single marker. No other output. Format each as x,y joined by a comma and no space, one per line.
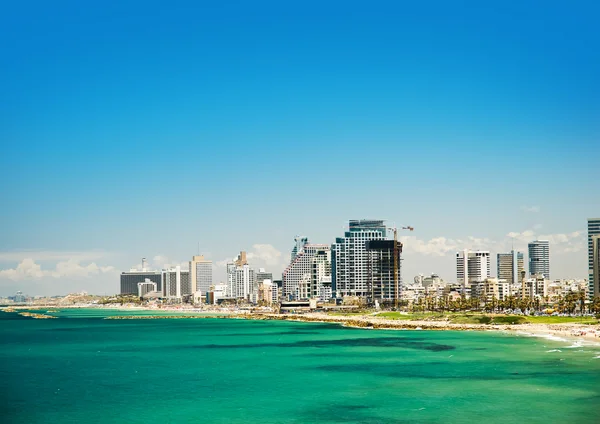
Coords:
562,320
433,316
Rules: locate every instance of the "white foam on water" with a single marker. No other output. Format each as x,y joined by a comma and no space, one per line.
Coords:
553,350
544,336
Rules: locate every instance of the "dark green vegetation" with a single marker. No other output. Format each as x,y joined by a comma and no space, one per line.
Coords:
481,318
573,302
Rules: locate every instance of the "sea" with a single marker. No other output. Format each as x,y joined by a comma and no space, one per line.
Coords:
83,368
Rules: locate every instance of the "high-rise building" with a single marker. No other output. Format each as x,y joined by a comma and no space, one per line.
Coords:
539,258
472,267
241,279
146,287
130,280
350,258
262,275
300,242
176,283
200,274
594,281
298,276
20,297
595,276
320,281
382,270
245,282
239,261
509,266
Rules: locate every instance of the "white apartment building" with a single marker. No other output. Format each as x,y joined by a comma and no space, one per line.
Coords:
305,275
245,280
176,283
351,260
241,279
535,287
472,267
495,288
146,287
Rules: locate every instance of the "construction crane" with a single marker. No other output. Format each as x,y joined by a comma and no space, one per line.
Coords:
396,255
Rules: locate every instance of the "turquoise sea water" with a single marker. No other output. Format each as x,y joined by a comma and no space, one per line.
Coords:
84,369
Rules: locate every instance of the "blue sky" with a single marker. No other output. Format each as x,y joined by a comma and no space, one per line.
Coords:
133,129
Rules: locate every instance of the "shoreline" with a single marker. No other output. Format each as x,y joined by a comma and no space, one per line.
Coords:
564,331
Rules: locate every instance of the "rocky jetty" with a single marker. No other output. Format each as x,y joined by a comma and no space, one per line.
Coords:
36,316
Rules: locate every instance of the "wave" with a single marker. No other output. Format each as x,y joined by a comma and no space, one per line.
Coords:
544,336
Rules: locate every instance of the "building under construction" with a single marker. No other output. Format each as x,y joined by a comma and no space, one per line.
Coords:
366,264
381,269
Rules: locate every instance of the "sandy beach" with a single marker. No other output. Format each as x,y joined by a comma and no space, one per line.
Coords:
564,331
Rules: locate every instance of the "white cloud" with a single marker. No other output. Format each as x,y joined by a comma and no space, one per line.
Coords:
559,242
161,261
52,255
26,269
530,209
527,235
261,256
222,263
264,253
29,269
440,246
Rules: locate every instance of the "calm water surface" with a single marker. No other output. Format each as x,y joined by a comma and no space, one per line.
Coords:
82,368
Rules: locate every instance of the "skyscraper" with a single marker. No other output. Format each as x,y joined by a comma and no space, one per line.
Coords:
594,281
350,258
321,274
595,266
176,283
382,271
241,279
129,280
298,276
472,267
300,242
200,274
539,258
509,266
262,275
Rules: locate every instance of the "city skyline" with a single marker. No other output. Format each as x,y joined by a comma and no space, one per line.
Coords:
211,129
268,257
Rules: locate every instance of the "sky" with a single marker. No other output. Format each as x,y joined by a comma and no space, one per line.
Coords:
157,129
